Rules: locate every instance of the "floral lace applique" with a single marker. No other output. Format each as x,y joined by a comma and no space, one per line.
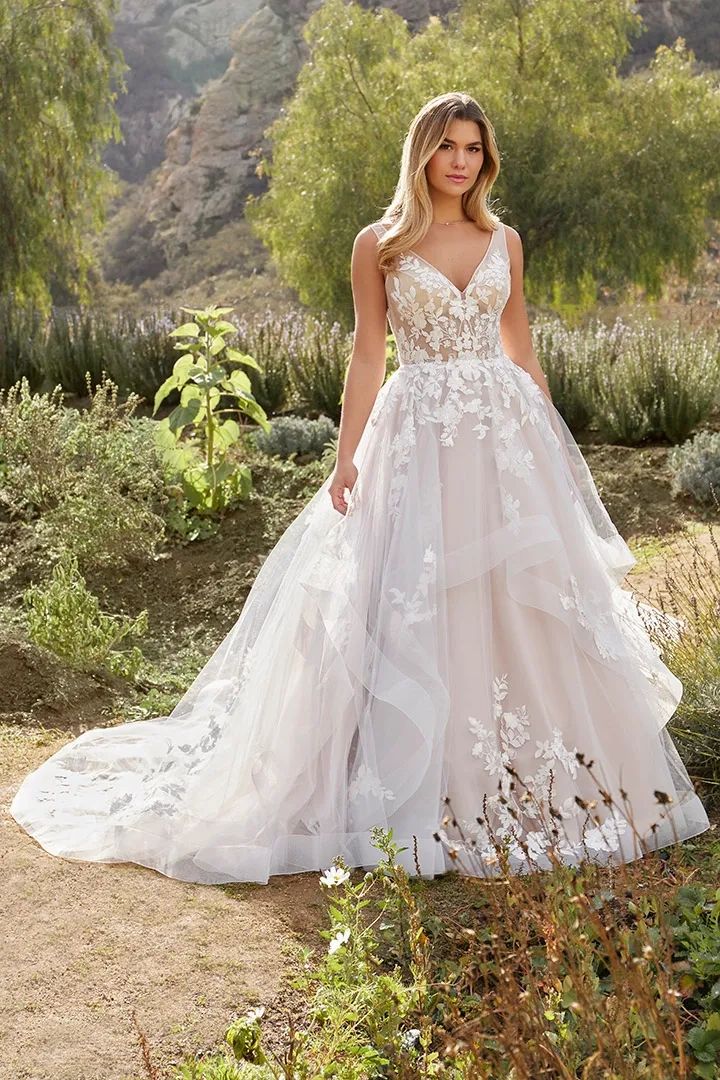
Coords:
600,624
418,608
516,818
366,782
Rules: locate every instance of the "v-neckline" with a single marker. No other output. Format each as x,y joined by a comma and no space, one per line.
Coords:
460,292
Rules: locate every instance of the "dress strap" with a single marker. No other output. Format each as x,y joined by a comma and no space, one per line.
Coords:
379,228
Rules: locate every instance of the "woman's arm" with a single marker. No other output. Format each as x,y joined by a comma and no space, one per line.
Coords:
366,370
514,325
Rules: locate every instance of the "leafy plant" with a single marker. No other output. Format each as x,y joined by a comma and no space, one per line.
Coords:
296,436
695,467
65,617
211,481
90,481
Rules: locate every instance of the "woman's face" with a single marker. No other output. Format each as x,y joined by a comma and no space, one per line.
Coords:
461,155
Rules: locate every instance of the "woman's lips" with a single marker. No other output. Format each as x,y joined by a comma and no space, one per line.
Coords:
457,179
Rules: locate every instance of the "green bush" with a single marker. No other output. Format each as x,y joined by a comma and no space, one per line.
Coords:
92,481
273,341
64,616
569,359
289,435
662,384
319,366
21,333
695,467
136,352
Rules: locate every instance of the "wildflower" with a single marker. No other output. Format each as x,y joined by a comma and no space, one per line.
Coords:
254,1014
340,939
336,875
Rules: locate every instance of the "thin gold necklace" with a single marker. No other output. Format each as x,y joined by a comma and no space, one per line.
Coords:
453,222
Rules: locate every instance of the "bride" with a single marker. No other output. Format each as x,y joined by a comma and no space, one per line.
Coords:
456,625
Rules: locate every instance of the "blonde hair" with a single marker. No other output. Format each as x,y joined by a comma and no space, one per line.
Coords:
410,212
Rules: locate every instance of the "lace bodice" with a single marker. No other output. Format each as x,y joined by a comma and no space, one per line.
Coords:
432,320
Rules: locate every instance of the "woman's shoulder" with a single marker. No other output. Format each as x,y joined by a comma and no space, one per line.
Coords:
379,227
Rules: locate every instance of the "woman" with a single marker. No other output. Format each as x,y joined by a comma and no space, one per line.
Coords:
454,627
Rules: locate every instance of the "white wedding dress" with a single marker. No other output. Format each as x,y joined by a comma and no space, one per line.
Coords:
465,614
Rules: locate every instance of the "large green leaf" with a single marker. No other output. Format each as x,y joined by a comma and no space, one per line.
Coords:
183,415
171,383
242,358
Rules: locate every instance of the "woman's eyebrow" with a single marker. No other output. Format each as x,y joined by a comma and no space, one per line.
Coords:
475,142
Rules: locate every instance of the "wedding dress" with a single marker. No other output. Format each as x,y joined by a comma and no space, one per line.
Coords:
465,614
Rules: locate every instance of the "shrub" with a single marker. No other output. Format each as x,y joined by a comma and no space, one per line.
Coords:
568,359
319,366
695,467
687,587
21,332
92,479
136,353
273,342
290,435
64,616
569,972
662,383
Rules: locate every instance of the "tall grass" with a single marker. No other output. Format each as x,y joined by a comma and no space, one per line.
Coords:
688,588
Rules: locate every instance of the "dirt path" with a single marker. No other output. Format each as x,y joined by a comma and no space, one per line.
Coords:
81,944
677,555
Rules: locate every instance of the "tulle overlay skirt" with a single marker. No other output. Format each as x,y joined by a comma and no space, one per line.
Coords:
465,618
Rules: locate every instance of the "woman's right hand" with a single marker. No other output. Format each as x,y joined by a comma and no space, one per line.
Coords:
344,476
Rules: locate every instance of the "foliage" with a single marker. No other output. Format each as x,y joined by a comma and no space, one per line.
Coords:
566,973
319,368
21,335
274,342
59,73
663,381
347,114
568,359
202,379
91,481
632,381
608,180
64,616
295,435
695,467
688,590
136,353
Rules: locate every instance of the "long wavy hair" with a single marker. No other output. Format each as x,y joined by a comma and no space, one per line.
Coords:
410,212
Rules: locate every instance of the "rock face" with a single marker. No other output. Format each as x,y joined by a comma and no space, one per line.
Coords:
207,78
205,81
208,171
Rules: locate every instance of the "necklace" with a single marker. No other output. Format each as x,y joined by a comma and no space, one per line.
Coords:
453,222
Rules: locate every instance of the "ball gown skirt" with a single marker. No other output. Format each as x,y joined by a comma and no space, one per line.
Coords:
466,616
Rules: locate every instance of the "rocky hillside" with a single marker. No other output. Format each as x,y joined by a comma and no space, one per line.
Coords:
207,78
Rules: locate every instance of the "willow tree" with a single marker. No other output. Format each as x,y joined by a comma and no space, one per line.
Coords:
607,178
59,76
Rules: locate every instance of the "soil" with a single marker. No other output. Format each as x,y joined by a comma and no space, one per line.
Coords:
85,945
88,946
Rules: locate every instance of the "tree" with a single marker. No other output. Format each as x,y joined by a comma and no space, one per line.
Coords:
607,179
57,73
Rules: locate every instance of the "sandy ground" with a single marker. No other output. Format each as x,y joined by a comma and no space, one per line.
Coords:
83,944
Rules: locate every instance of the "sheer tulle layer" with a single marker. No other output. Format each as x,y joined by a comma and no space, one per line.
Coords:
465,615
